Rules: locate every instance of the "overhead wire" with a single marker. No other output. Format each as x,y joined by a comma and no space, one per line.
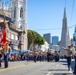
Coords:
71,26
56,28
72,12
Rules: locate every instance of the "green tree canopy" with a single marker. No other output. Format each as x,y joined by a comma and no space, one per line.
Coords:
34,38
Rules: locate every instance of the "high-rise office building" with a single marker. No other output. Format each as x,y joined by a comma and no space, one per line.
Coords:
74,37
65,39
55,40
47,37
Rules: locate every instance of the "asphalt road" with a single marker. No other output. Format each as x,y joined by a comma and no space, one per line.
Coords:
39,68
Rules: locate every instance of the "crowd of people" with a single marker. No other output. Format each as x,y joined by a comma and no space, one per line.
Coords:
70,53
37,55
33,56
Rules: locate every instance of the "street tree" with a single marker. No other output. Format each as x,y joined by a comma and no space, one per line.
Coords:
34,39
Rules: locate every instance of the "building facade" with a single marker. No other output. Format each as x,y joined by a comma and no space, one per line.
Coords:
16,24
65,39
18,17
55,40
74,37
47,37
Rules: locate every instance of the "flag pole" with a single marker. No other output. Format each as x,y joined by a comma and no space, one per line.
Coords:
4,34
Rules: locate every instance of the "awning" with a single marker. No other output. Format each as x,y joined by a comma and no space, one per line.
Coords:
26,51
15,52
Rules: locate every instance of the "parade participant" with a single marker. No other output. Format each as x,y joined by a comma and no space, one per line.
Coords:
73,50
27,56
5,60
0,58
0,54
75,64
35,56
48,56
74,55
40,56
56,56
68,55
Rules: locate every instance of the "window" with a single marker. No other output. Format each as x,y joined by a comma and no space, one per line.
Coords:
14,12
8,34
21,12
21,26
12,36
22,38
16,37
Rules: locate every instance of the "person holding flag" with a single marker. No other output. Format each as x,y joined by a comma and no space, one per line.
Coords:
5,46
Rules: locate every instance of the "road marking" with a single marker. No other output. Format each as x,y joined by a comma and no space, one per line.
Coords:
57,65
11,68
70,72
48,73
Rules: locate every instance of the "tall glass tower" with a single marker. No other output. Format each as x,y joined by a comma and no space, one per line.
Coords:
65,39
74,37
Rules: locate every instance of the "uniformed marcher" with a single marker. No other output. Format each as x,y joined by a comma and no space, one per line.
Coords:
68,55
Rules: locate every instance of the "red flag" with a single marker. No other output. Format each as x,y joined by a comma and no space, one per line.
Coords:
1,37
4,36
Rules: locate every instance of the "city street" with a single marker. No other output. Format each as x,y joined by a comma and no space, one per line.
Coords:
37,30
39,68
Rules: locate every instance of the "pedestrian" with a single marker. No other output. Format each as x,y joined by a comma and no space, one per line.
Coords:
5,60
48,56
56,56
73,50
0,58
27,56
68,55
74,56
35,56
0,54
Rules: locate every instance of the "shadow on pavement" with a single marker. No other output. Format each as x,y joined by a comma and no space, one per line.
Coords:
65,64
61,74
62,61
57,70
72,63
2,68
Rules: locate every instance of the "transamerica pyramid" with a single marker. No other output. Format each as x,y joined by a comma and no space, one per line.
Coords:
65,39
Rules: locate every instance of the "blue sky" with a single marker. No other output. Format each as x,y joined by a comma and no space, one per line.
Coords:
44,16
